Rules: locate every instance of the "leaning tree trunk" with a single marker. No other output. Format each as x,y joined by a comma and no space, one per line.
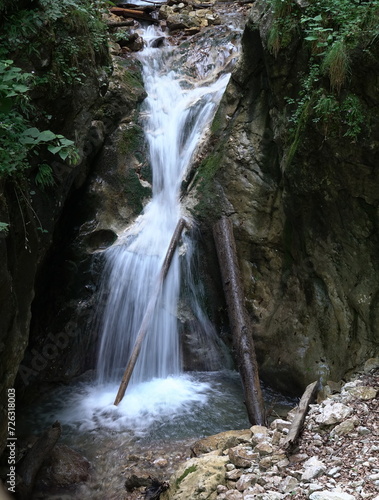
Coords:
239,320
148,316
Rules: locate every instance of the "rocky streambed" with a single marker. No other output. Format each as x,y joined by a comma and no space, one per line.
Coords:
336,457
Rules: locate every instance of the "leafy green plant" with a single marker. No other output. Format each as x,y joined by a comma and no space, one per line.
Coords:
330,30
44,177
283,26
352,115
18,139
4,227
336,64
62,35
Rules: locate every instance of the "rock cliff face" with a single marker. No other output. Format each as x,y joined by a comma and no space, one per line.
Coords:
306,225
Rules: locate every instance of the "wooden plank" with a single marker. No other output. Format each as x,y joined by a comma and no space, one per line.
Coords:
298,421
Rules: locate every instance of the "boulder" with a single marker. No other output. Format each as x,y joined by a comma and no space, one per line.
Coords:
197,479
220,441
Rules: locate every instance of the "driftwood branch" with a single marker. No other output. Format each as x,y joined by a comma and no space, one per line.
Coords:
150,311
298,421
30,465
120,25
239,320
140,15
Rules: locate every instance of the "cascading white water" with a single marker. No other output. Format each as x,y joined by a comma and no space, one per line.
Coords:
177,117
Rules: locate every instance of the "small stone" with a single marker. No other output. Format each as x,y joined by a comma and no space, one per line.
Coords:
282,464
276,437
280,424
259,433
160,462
221,489
298,457
315,487
272,495
333,413
263,448
363,430
245,481
230,467
365,393
250,493
233,495
331,495
234,474
242,456
371,364
288,484
343,428
313,468
333,471
266,462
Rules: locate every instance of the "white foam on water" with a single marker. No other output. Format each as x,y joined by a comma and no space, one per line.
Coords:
91,407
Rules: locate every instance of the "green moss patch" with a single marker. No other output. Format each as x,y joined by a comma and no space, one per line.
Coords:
190,470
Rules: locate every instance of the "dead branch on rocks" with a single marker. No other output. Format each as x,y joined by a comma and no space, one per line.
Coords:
139,15
150,311
30,465
298,421
120,25
239,320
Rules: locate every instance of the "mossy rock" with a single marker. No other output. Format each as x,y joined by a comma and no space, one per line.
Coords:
135,192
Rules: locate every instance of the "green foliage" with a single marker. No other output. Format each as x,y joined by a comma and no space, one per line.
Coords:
135,192
44,177
131,140
209,203
209,167
331,31
187,472
17,139
353,115
14,85
336,64
62,35
283,26
4,227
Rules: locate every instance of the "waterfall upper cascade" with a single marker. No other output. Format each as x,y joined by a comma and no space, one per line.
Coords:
178,110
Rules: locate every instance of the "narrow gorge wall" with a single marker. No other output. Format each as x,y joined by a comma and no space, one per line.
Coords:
307,226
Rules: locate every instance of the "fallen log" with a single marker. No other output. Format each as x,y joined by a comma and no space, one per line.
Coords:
30,465
150,311
139,15
120,25
301,412
239,320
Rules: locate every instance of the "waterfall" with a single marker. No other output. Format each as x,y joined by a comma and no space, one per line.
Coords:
178,113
